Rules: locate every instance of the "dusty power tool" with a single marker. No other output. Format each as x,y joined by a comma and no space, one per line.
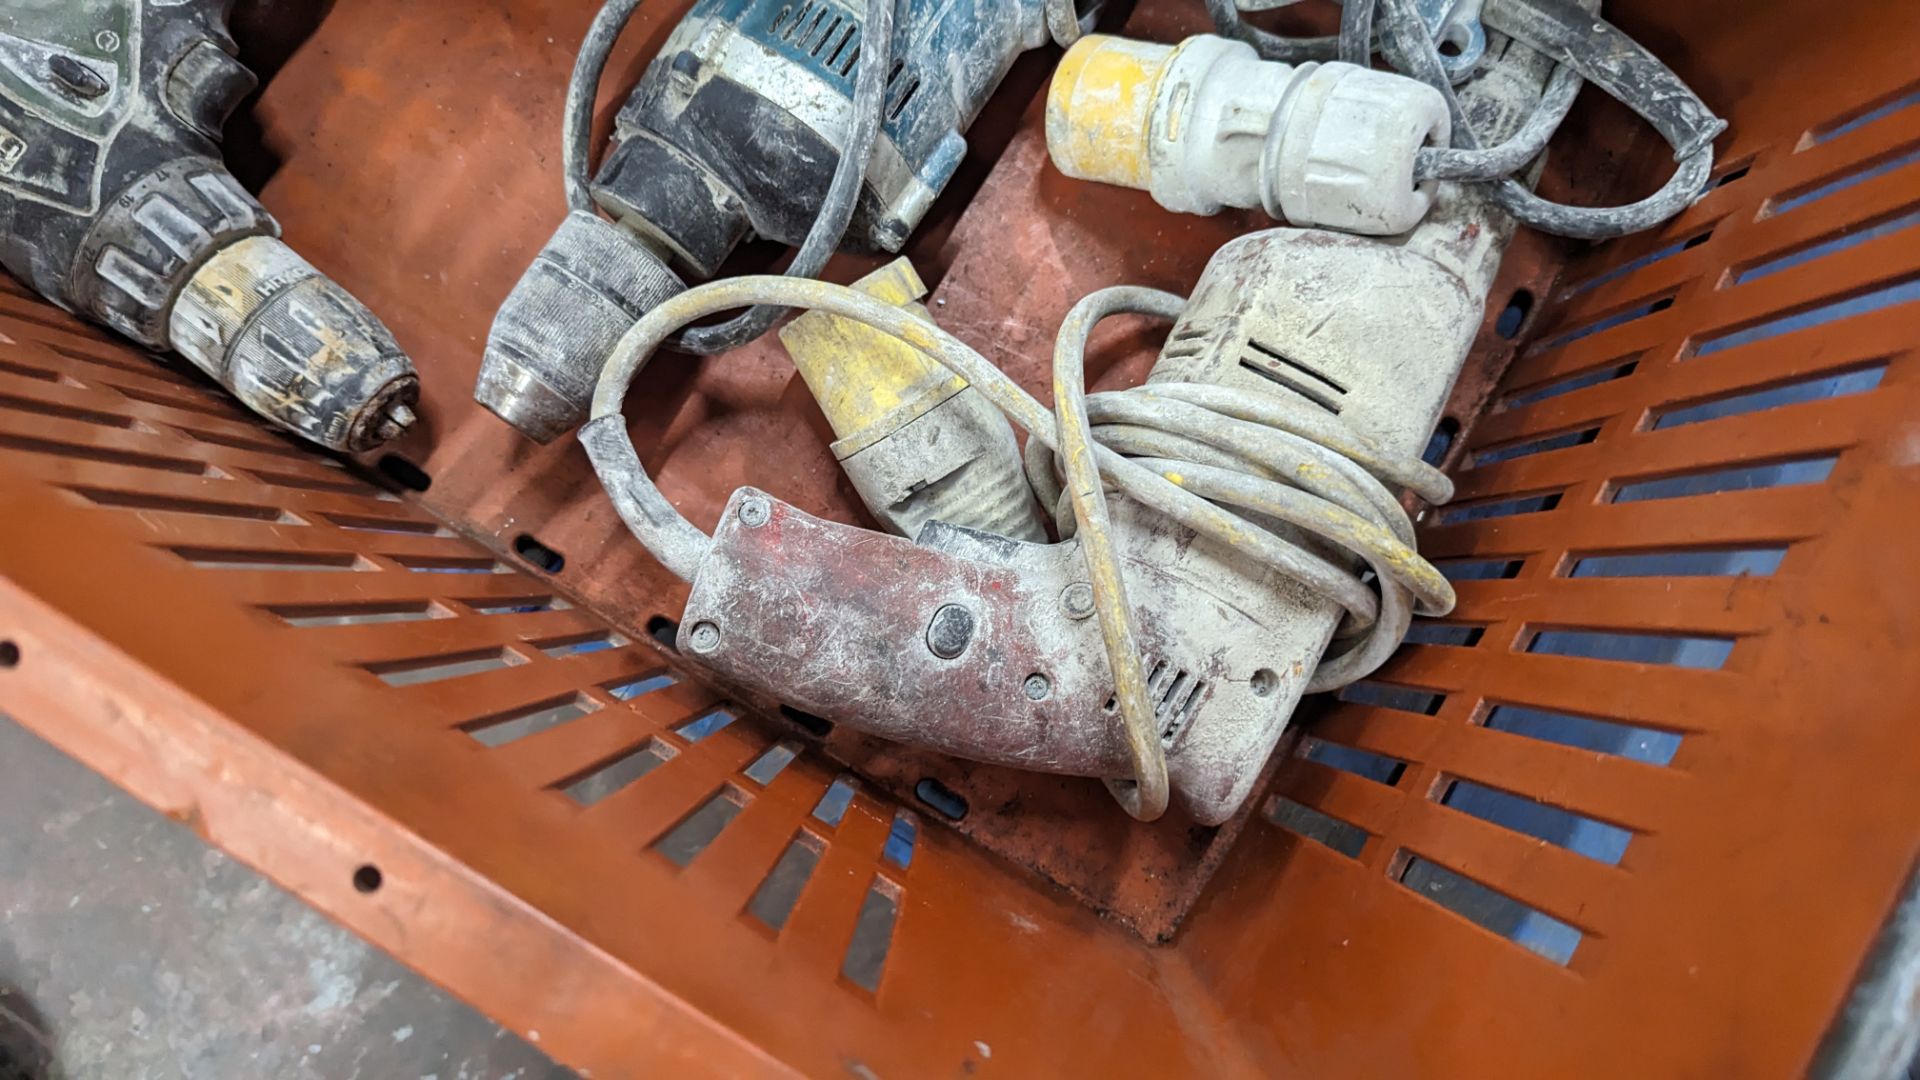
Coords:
115,205
1254,548
758,117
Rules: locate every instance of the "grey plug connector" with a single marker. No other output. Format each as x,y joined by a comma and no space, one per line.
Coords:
1207,124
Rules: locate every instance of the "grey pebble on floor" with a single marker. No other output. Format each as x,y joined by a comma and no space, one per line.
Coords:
131,949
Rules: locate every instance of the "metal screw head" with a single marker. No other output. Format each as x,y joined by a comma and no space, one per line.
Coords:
1077,600
704,637
755,511
1264,682
950,631
1037,686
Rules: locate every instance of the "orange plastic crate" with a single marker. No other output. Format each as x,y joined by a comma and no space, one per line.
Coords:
390,706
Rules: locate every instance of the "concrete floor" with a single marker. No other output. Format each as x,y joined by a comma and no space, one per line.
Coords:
130,949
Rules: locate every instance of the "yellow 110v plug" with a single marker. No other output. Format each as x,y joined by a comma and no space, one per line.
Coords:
1207,123
918,443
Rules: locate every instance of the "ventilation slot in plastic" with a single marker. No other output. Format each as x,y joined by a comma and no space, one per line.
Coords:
1362,763
26,372
628,689
947,802
1579,834
1859,173
1819,388
834,802
782,888
1486,510
1854,121
1640,263
518,605
702,827
581,644
1186,342
1529,447
308,483
1175,693
774,900
772,763
1568,385
172,504
1606,322
517,724
1694,562
63,412
701,727
1386,696
1896,292
440,668
901,839
901,86
1645,745
1809,470
1433,632
1290,374
131,458
248,559
1479,569
1676,650
304,615
450,564
609,777
1495,911
866,957
1851,236
361,523
1305,821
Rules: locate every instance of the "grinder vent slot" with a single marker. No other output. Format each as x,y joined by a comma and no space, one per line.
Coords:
901,86
1176,695
1286,372
1186,342
816,28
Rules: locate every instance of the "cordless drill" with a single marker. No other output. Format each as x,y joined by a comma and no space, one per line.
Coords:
115,205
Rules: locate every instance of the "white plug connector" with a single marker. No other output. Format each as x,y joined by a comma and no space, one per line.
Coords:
1207,124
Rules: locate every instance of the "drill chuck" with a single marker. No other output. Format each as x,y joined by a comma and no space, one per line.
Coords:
294,346
590,283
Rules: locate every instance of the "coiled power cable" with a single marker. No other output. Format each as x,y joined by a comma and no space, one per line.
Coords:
1191,451
843,191
1584,47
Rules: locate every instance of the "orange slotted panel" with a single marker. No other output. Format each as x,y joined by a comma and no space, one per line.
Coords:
1638,806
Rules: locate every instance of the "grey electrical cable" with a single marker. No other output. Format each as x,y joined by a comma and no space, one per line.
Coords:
1228,447
1220,445
1501,162
1422,57
1228,23
1065,23
1356,32
875,60
1664,101
582,87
